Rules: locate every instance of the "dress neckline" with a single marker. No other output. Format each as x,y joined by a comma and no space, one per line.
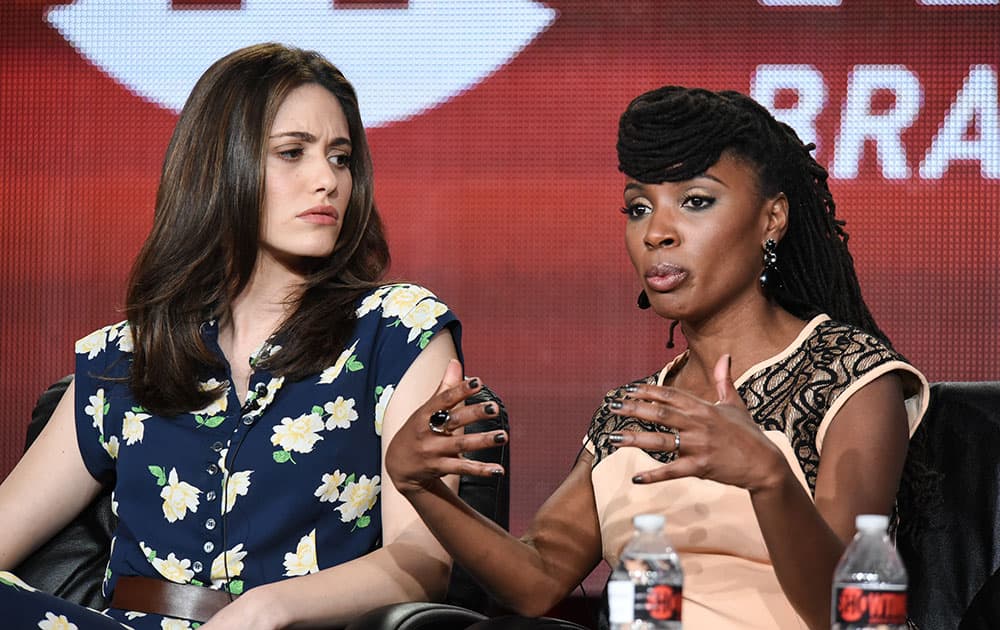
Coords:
677,362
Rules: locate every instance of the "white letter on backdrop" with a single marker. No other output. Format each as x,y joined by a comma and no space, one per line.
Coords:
858,123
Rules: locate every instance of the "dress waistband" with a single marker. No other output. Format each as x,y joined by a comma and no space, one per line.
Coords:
160,597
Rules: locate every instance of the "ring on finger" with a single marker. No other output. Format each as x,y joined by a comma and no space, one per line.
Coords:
677,442
437,421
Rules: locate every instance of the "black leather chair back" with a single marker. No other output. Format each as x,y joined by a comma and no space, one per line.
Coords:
71,564
490,496
949,507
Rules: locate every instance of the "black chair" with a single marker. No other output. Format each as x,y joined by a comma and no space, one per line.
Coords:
465,603
72,564
949,507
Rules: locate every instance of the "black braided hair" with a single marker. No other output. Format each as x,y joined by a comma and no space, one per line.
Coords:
673,133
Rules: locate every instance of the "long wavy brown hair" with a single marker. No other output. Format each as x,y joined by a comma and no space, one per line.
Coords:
203,245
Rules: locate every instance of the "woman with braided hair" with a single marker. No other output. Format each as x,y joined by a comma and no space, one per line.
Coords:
787,415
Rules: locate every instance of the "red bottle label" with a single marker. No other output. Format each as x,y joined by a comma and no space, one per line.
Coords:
661,602
860,606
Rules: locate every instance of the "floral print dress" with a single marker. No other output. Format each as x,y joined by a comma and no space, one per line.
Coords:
234,496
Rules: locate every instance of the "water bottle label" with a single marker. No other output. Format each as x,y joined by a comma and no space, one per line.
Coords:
658,602
856,605
621,601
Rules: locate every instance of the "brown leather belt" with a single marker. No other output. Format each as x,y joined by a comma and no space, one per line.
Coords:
160,597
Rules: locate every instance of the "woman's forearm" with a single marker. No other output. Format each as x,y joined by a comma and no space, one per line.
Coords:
803,548
399,572
515,571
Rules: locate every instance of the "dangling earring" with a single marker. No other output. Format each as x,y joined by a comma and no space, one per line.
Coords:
670,338
769,275
643,300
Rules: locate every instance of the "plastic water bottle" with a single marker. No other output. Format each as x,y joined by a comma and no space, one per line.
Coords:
869,585
644,592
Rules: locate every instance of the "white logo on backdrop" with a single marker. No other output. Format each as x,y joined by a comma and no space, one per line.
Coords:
402,61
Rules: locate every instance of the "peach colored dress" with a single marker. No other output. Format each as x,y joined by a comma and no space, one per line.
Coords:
729,581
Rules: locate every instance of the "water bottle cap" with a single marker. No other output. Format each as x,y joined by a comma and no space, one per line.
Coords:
871,522
648,522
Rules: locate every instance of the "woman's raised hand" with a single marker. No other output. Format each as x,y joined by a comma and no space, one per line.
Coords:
713,440
431,443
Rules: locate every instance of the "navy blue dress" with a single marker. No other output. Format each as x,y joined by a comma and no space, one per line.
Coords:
231,496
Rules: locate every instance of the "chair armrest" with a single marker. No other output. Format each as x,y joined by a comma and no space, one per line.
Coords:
416,616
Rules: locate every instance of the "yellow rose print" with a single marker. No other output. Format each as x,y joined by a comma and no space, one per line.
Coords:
358,497
53,622
178,497
303,561
341,413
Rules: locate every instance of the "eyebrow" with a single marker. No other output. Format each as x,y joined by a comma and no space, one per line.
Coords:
305,136
639,185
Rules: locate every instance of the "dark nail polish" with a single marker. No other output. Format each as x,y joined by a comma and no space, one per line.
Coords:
637,479
490,409
499,438
616,438
631,389
615,404
473,383
496,472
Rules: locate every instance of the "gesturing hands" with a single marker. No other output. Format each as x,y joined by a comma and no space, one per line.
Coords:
430,444
717,441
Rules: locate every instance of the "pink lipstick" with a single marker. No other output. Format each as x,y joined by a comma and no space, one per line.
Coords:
665,277
322,215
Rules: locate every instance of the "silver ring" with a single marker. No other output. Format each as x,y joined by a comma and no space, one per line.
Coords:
677,442
437,421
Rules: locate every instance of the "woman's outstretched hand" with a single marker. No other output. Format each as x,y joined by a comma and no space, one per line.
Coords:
431,443
716,440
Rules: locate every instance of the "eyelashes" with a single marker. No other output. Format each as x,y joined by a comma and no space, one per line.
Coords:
636,210
340,160
697,202
691,203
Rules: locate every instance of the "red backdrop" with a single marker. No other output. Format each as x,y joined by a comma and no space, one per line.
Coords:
503,197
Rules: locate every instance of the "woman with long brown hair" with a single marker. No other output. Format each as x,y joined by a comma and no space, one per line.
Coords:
241,409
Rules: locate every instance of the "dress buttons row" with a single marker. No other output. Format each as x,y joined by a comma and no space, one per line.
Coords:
210,524
196,566
209,547
210,495
212,469
248,420
217,447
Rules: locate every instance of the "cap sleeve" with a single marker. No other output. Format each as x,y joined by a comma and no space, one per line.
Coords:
102,361
916,395
402,319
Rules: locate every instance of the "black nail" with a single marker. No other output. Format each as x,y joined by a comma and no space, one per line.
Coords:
637,479
615,404
631,389
473,383
490,409
496,472
499,438
615,438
